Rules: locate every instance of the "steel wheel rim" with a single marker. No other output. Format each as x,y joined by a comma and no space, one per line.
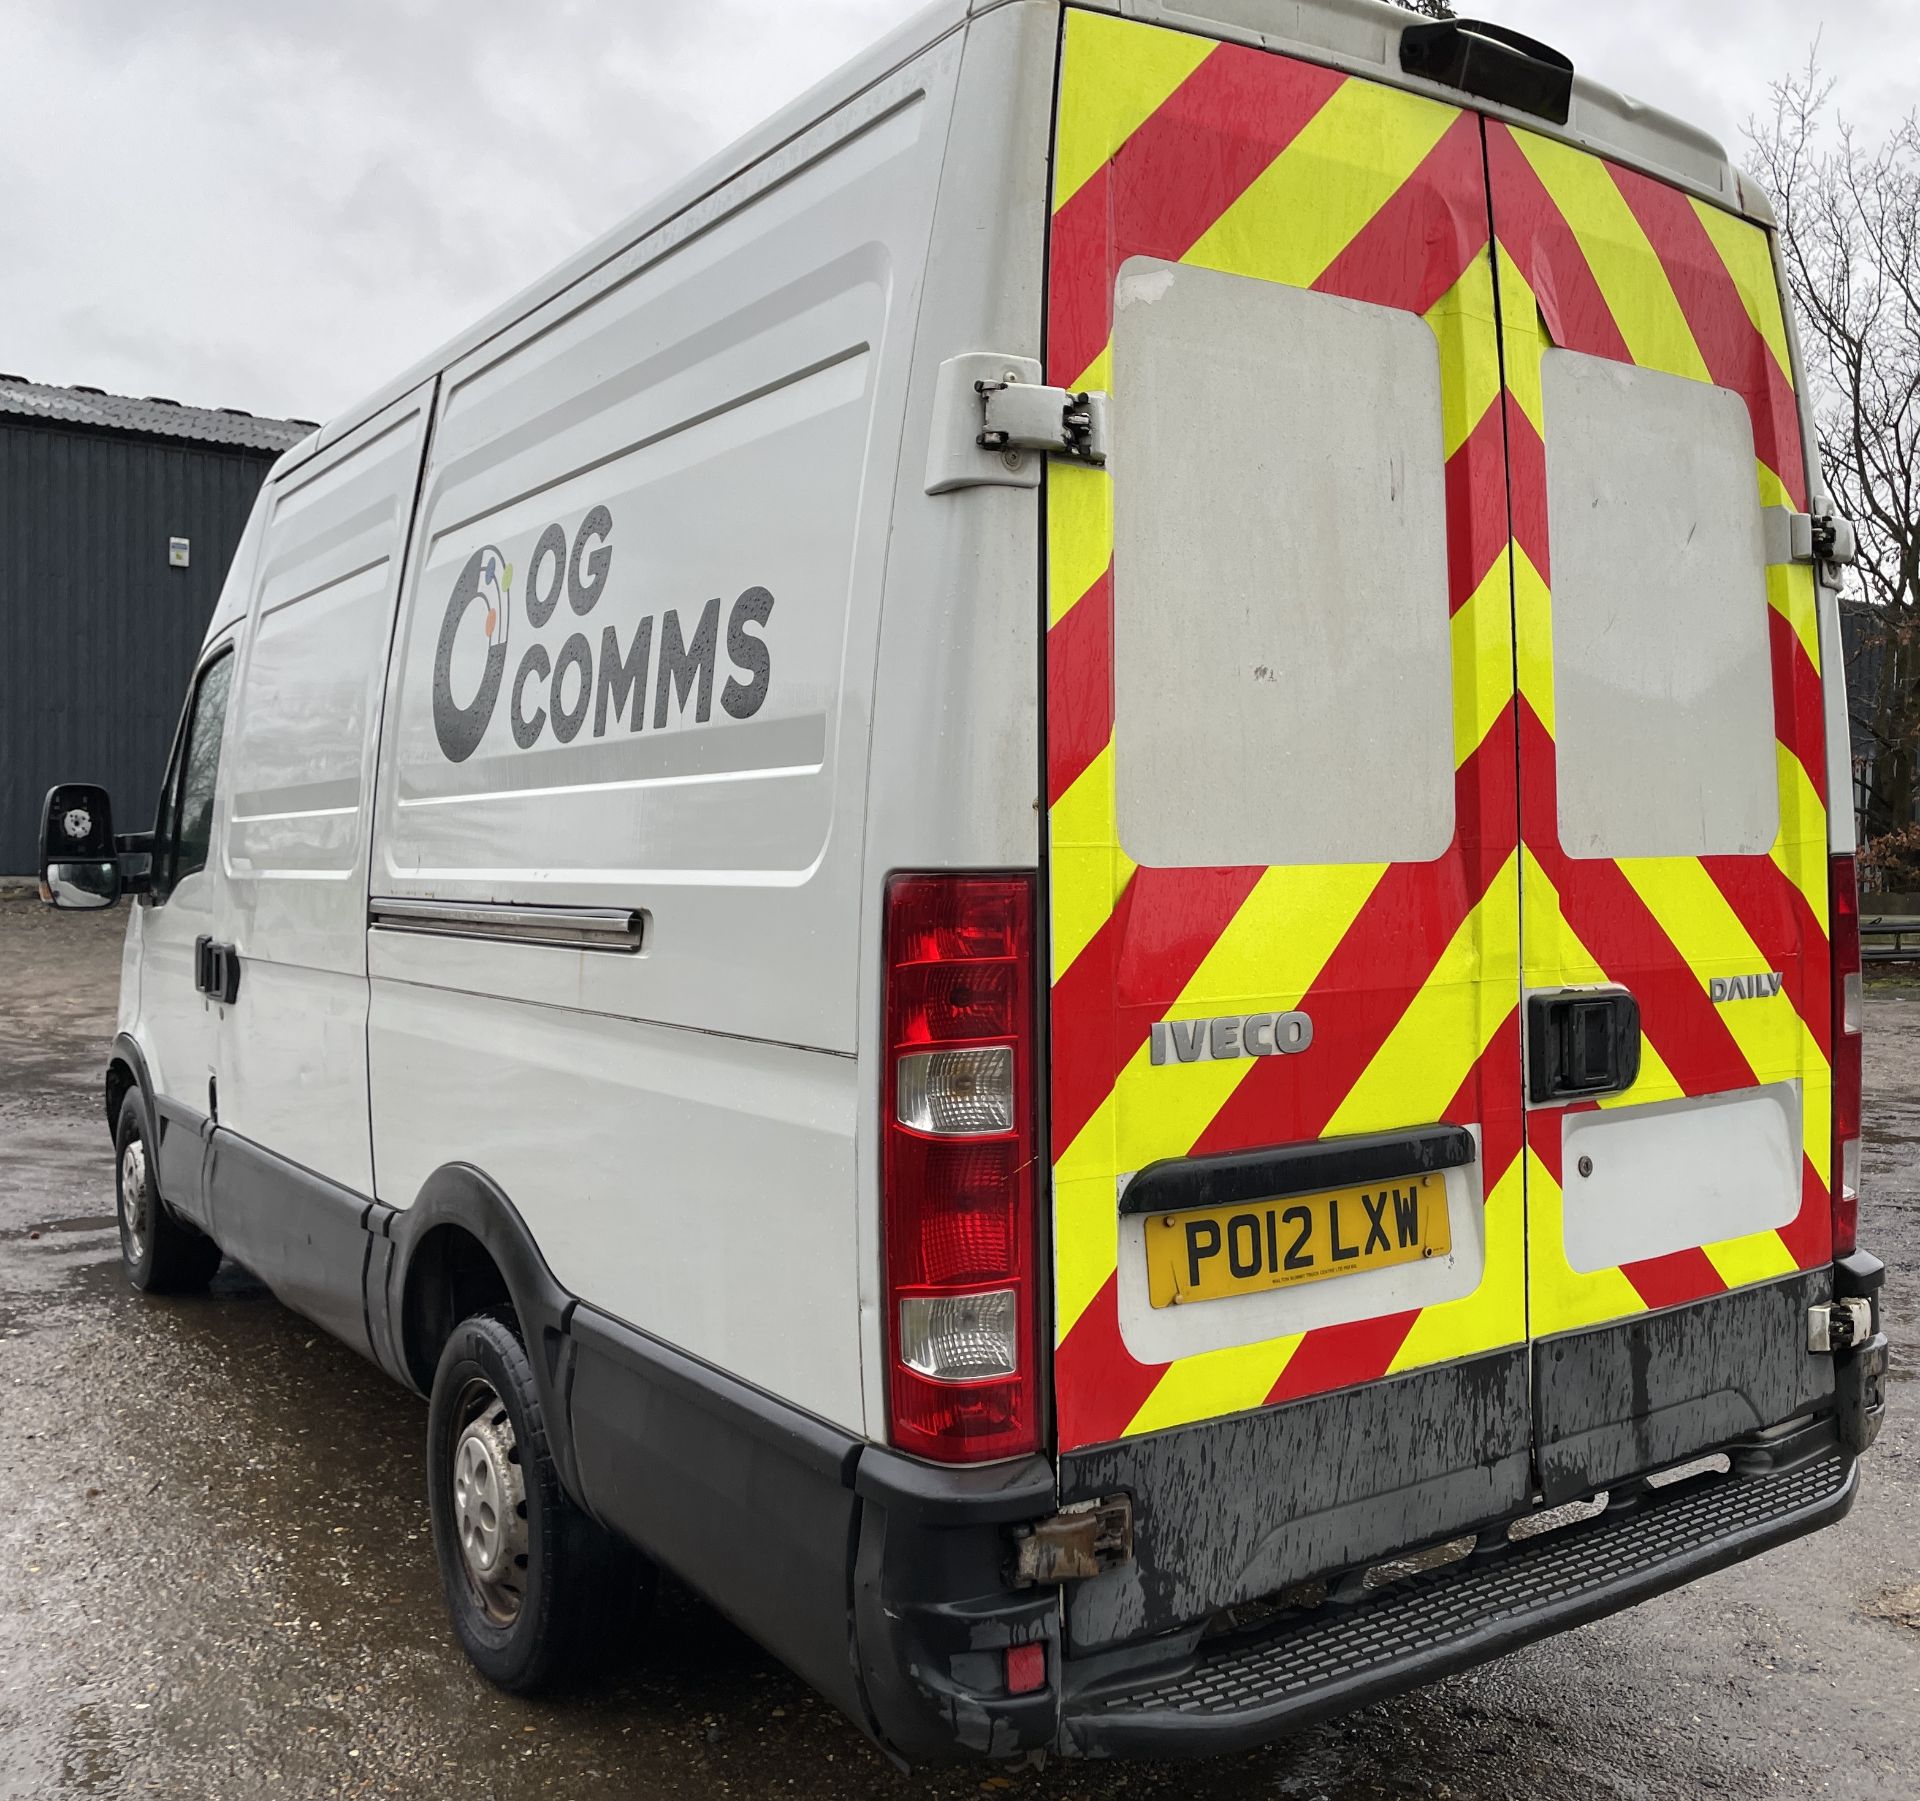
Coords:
135,1203
488,1500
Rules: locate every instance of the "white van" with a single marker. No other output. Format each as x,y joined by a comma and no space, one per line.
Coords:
922,887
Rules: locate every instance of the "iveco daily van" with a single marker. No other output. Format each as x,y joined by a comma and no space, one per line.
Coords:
1071,858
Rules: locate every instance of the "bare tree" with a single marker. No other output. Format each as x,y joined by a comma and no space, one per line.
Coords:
1433,9
1849,215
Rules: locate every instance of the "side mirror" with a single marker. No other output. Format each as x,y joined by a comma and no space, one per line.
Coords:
79,861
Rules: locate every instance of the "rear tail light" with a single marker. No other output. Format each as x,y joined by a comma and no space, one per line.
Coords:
1843,935
957,1167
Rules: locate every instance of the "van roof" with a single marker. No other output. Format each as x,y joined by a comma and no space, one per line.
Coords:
1362,36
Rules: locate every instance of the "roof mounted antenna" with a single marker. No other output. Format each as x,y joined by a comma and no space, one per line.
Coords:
1491,62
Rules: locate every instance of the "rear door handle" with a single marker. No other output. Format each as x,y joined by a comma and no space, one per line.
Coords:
1581,1043
216,970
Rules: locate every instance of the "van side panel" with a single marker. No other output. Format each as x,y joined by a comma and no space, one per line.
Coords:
300,747
954,774
631,672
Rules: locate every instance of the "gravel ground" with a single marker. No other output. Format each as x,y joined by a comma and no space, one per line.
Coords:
216,1576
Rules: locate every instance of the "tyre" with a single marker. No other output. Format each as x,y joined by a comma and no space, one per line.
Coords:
162,1253
537,1590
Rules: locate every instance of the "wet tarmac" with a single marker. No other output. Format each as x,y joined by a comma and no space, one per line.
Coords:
216,1578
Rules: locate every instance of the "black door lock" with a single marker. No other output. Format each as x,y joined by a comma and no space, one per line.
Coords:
1581,1043
216,970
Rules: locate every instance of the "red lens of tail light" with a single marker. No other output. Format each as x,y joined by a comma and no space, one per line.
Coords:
957,1167
1843,936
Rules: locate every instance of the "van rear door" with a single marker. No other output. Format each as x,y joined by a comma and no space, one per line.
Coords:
1673,789
1283,852
1435,769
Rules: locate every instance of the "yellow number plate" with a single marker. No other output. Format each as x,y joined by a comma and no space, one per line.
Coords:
1204,1255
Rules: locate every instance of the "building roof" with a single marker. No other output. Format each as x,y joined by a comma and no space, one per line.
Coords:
154,416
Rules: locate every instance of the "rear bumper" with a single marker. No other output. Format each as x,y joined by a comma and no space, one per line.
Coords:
933,1617
887,1583
1232,1691
931,1663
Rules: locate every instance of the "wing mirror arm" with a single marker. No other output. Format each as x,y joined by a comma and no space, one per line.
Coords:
135,850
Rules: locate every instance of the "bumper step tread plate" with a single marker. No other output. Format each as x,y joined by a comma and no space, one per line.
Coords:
1243,1688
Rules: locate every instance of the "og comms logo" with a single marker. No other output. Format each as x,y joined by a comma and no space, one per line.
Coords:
608,679
488,578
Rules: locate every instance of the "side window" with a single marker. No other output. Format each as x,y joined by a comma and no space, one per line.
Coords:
185,827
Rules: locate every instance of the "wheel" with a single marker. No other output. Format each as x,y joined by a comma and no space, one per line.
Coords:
161,1252
536,1589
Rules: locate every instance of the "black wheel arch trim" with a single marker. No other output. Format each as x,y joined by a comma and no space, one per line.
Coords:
179,1170
126,1049
464,1196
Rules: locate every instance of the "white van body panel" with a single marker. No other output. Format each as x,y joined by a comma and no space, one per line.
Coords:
300,745
715,411
766,147
173,1025
954,773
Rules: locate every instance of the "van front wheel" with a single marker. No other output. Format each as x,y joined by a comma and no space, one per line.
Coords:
161,1254
535,1587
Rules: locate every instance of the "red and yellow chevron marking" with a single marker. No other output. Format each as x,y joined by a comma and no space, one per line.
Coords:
1229,158
1609,263
1233,159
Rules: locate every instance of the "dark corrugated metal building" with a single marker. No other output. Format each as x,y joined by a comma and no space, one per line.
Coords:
99,619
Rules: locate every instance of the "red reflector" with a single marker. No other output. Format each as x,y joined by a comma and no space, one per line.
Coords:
958,1210
1843,937
1026,1668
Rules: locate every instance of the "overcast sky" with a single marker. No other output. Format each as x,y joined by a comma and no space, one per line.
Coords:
279,206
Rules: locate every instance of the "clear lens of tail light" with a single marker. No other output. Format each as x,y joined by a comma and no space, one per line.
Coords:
956,1093
960,1337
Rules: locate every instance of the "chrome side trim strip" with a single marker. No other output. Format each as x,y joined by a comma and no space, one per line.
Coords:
620,929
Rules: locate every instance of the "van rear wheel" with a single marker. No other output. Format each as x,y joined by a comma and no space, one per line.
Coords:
537,1590
161,1254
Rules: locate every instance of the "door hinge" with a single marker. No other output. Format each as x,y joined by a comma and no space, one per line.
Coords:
1823,539
994,421
1018,415
1079,1541
1839,1325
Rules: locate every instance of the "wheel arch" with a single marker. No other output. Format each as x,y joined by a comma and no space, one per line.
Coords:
126,1071
463,1248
